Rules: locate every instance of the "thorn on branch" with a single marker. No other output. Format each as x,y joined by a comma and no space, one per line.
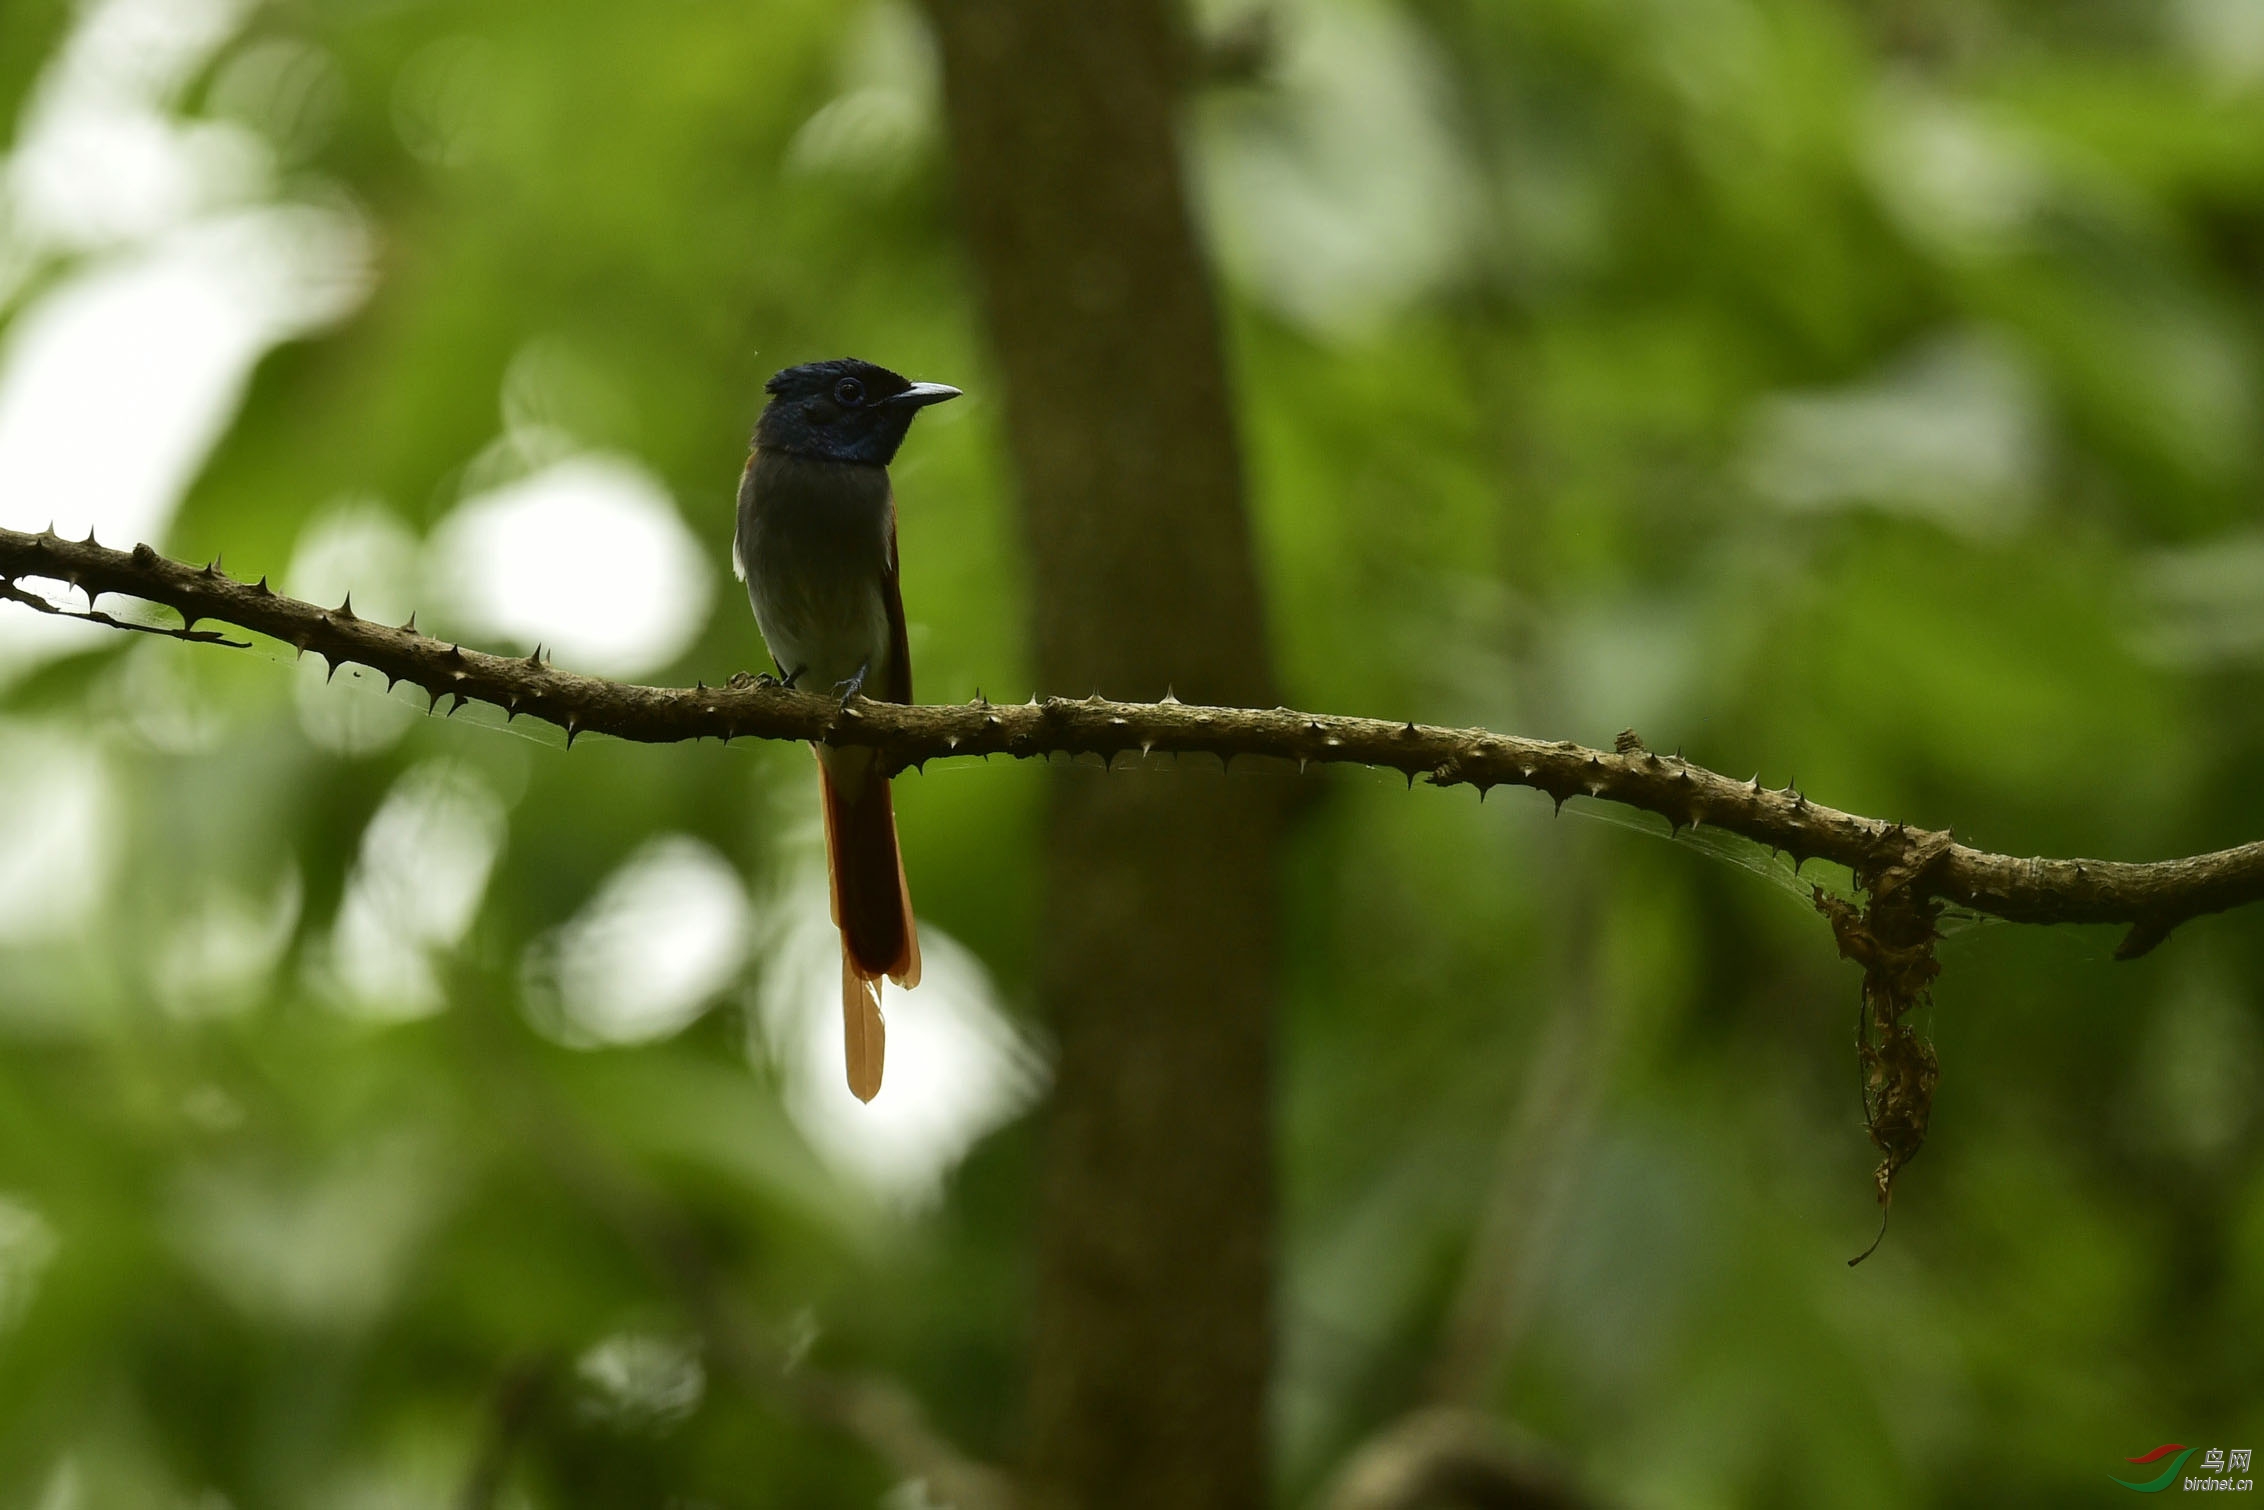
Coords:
2143,937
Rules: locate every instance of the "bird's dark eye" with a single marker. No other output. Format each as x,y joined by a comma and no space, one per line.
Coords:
849,393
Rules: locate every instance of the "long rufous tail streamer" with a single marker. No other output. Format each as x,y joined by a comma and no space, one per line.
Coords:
871,905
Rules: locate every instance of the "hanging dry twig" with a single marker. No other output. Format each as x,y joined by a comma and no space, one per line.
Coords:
1892,937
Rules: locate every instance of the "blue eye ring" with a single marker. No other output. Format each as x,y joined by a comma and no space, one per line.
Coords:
848,393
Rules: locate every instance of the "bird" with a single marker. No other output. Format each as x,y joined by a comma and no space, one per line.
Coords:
816,546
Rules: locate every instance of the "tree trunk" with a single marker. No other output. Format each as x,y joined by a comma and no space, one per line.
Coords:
1157,964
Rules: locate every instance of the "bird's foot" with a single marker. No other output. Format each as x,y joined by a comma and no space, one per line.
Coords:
851,689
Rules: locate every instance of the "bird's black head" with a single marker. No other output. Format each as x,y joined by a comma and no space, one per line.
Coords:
843,410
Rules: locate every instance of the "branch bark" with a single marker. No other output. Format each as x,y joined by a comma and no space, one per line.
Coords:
1157,953
2151,898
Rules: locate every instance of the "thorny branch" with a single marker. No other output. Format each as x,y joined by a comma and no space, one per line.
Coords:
1907,873
2149,898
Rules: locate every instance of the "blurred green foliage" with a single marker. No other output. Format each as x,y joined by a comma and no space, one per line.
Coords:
1863,391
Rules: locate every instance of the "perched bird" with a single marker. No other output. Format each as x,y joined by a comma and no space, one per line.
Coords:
816,547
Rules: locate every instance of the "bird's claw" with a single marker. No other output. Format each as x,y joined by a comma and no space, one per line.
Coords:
854,686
